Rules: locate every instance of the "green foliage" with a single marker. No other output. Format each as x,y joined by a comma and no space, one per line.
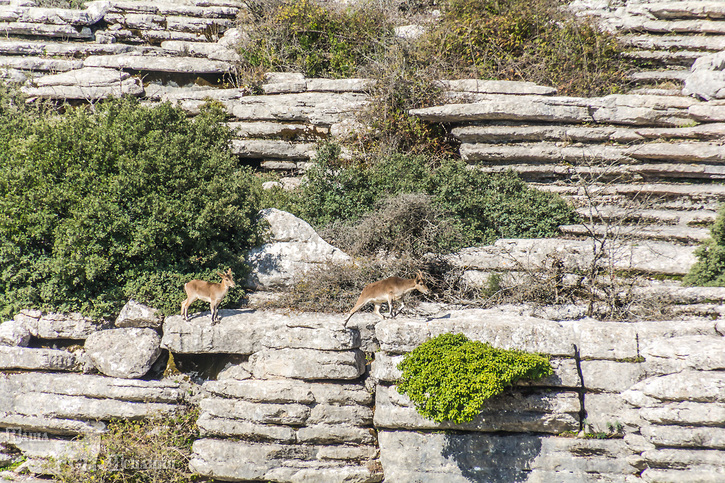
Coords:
526,40
97,207
709,271
449,377
303,36
483,207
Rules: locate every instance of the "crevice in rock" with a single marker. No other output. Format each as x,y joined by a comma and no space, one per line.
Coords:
581,390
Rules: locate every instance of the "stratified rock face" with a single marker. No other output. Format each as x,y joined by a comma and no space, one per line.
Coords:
127,353
293,249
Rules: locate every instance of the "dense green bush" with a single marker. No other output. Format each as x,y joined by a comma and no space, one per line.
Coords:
483,206
709,270
123,201
449,377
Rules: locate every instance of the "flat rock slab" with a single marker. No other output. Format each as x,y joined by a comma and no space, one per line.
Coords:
511,411
12,357
241,461
58,326
693,386
283,391
249,331
188,65
506,330
704,353
307,364
409,456
128,352
533,254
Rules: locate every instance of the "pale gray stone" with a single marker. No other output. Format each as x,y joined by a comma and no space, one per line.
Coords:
674,458
495,87
320,108
86,84
18,423
135,314
695,386
465,457
12,357
59,406
686,413
14,333
268,461
707,79
257,148
312,338
276,130
509,108
210,425
533,254
283,391
693,474
335,434
307,364
59,326
609,413
684,152
685,437
712,111
190,65
42,30
542,153
127,352
509,411
666,355
293,249
334,414
93,386
611,376
262,413
340,85
46,456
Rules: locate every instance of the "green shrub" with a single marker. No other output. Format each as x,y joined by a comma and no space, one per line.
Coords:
449,378
709,270
481,207
97,207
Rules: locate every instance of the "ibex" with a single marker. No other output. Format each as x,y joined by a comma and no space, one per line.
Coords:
388,290
208,292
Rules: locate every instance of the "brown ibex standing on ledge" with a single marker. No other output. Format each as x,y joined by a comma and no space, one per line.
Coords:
208,292
388,290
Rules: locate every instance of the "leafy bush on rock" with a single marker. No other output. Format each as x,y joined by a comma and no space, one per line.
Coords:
122,201
450,378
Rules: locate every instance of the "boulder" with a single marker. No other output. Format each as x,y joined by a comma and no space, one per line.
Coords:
707,77
13,333
127,353
135,314
293,249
